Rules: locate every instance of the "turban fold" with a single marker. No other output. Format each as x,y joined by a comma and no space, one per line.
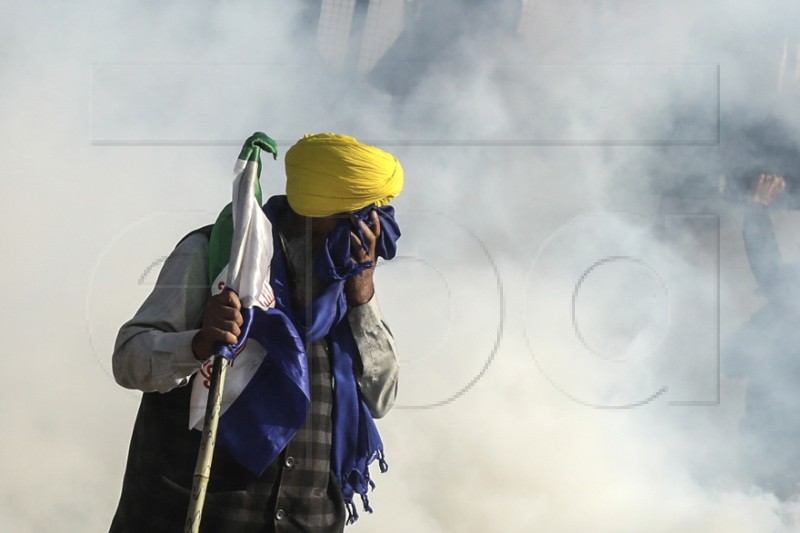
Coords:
329,173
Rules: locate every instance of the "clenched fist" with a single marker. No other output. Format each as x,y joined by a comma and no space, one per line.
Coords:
222,321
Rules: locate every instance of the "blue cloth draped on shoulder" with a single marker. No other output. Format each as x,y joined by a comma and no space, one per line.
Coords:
274,404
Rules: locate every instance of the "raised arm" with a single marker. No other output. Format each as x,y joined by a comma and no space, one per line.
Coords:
380,366
762,248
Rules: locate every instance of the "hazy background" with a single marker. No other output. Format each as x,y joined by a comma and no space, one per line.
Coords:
571,259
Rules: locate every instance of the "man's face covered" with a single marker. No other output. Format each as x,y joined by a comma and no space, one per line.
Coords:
330,178
301,238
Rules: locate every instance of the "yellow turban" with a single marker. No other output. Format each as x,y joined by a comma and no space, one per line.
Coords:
329,173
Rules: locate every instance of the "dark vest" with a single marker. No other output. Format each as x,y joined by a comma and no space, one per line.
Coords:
158,476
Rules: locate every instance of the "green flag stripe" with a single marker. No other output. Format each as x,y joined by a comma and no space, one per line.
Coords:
219,246
255,143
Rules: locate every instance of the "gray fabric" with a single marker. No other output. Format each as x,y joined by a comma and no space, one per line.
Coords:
153,351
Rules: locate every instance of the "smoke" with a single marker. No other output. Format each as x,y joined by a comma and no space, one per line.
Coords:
571,259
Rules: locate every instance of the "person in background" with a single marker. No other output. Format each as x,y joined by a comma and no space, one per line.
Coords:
765,352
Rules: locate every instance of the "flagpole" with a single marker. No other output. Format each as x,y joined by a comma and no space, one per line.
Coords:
232,221
202,470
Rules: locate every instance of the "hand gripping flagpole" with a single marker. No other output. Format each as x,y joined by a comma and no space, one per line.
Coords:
240,250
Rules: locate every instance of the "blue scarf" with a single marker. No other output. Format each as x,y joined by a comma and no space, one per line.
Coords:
274,404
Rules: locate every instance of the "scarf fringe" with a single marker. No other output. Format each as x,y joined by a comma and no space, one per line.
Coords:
352,513
384,466
366,486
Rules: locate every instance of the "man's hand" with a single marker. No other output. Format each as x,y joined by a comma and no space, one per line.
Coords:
359,289
222,321
767,188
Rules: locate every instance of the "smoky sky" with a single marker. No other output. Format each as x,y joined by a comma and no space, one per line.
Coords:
570,280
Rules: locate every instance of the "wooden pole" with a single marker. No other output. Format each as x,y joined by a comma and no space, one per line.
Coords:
202,470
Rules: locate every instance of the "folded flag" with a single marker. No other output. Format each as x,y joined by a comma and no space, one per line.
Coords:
240,247
240,256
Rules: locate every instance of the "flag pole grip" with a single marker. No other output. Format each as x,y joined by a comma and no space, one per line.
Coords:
202,470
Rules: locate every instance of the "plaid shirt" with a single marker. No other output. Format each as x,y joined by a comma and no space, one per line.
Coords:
308,496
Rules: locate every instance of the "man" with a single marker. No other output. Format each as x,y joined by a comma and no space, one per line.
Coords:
764,351
329,230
